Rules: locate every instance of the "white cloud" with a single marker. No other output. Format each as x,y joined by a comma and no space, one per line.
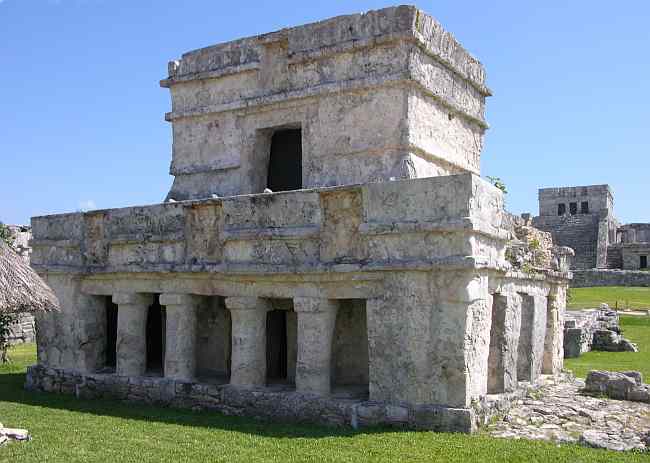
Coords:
87,205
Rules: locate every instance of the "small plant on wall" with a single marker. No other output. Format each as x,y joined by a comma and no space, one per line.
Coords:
497,182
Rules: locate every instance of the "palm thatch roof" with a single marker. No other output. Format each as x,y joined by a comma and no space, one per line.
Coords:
21,289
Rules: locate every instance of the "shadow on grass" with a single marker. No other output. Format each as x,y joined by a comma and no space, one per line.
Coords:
12,390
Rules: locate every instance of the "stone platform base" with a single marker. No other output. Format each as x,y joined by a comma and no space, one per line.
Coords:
266,403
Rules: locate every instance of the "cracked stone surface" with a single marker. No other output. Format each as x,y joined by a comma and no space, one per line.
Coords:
560,412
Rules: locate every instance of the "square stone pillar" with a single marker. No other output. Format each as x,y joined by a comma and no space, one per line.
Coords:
316,321
460,337
132,332
400,339
531,338
554,342
180,343
504,338
248,362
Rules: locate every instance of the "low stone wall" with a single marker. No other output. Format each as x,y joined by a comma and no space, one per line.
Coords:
266,404
603,277
595,329
580,326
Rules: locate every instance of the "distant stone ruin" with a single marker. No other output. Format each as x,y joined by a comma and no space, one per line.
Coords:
606,252
24,329
595,329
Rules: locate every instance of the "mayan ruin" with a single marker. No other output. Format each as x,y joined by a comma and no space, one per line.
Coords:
606,252
376,247
335,241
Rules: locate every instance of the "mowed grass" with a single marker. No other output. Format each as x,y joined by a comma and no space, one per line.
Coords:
67,430
637,330
615,296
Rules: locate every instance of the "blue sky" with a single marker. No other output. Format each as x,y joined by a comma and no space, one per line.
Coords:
82,123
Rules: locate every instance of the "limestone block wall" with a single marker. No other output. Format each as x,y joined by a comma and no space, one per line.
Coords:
614,257
598,197
383,297
383,94
634,233
579,232
581,218
633,254
610,277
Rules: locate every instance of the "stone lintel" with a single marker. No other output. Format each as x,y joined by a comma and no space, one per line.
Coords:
247,303
178,299
132,299
314,304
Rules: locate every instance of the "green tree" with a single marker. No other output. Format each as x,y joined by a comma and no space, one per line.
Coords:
6,318
6,235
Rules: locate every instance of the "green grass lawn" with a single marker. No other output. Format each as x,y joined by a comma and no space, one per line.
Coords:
69,430
636,329
616,296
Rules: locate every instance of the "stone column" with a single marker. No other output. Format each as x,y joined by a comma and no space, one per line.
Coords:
460,334
316,320
504,337
531,338
554,342
248,361
132,333
180,335
401,342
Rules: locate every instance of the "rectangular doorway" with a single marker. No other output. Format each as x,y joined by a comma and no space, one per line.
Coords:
276,346
285,161
111,334
155,334
643,261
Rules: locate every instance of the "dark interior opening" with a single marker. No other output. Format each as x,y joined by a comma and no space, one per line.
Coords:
285,161
584,207
156,337
214,341
276,345
573,208
561,209
643,261
111,333
350,361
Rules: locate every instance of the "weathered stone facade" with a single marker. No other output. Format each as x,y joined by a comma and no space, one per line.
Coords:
582,218
377,291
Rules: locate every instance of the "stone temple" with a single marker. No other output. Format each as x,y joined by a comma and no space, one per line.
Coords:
327,253
582,217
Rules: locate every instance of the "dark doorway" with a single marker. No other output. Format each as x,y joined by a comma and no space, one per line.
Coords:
350,364
573,208
156,337
276,345
561,209
285,161
643,261
584,207
111,333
